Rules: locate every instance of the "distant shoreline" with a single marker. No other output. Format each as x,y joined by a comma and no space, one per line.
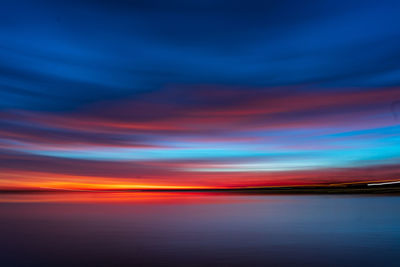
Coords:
363,188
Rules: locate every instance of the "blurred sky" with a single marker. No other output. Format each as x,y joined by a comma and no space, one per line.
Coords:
198,93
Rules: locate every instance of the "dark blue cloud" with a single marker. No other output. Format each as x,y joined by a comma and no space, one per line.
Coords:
64,54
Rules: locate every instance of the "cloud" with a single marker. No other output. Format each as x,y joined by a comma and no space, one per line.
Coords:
197,92
38,171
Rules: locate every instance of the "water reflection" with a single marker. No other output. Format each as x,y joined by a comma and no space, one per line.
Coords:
198,229
124,197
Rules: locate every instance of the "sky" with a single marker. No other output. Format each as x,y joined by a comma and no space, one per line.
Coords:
198,94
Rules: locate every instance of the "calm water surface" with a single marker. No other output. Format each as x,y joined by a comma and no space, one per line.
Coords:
198,229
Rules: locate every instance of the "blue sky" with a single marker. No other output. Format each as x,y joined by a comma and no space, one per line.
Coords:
277,91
